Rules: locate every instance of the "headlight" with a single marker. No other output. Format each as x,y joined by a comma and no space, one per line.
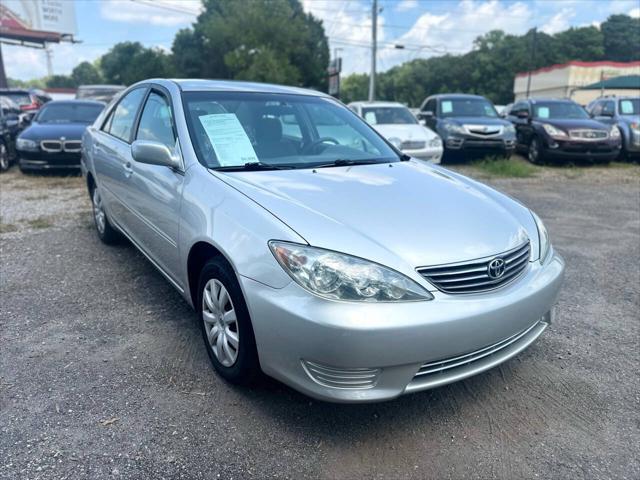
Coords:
26,144
342,277
553,131
543,235
510,129
614,132
453,127
396,142
435,142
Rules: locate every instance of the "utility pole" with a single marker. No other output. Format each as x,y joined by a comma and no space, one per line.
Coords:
49,53
374,45
532,62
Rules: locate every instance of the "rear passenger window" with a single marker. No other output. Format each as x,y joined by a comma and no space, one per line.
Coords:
156,122
120,124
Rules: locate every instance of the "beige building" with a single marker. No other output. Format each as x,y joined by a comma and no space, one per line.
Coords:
563,80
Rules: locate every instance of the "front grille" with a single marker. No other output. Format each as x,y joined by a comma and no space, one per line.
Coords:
477,276
72,146
589,135
445,366
412,145
484,131
341,377
51,145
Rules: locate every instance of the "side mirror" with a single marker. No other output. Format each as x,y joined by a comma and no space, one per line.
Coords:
523,114
154,153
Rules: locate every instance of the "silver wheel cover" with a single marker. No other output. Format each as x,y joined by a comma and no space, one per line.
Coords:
98,212
220,322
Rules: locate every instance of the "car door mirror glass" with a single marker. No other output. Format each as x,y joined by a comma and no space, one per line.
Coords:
154,153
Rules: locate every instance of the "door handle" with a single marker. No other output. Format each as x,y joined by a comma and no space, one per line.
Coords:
128,171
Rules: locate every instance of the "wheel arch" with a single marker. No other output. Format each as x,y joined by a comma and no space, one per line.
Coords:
199,253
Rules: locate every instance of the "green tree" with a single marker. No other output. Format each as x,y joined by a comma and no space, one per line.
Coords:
86,73
621,38
130,62
263,40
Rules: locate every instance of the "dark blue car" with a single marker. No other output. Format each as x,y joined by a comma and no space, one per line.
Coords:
54,139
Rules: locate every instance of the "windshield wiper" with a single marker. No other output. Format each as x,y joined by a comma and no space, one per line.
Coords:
252,167
342,162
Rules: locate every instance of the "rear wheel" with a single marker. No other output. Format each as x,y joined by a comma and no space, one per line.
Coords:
106,232
226,326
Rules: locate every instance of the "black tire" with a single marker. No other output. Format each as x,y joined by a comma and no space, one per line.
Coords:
246,366
5,163
106,232
536,151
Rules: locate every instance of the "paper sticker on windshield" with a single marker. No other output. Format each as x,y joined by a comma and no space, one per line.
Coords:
543,112
626,107
447,107
228,139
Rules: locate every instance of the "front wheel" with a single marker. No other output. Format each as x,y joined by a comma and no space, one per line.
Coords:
4,158
226,325
536,154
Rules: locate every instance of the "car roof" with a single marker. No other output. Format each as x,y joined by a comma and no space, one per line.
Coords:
377,104
200,85
97,87
442,96
550,100
76,102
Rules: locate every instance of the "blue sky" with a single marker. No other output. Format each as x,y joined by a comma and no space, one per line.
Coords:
424,27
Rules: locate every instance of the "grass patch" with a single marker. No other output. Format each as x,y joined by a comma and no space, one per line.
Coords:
7,227
506,168
40,222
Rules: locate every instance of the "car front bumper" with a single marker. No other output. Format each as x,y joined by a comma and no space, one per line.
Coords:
429,154
49,160
472,143
323,348
603,150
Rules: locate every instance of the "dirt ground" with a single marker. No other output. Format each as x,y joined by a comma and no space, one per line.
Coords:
103,373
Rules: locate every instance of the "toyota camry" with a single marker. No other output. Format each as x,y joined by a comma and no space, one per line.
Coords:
310,247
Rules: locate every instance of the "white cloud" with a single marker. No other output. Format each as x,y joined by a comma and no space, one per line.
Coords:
635,13
559,22
454,31
406,5
167,13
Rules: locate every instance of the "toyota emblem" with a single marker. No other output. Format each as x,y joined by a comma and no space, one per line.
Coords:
495,268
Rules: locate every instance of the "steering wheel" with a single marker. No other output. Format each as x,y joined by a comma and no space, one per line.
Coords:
319,141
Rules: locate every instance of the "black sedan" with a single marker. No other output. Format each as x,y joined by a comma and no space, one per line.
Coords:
562,130
9,128
54,139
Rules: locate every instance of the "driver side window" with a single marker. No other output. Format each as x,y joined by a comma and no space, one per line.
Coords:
156,122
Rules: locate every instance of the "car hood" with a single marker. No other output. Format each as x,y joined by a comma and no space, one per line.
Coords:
572,124
405,132
403,215
41,131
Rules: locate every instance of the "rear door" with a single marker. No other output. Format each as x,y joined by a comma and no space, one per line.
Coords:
112,156
155,191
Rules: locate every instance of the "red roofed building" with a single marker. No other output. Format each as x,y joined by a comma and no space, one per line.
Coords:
560,81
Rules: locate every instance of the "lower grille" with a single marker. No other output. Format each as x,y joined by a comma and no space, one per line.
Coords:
333,377
412,145
589,135
479,275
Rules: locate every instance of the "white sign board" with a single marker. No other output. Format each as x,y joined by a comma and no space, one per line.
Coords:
24,17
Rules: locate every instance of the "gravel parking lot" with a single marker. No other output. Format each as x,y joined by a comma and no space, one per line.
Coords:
104,375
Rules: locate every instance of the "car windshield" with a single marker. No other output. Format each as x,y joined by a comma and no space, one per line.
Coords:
388,116
466,107
69,113
231,130
559,110
21,98
630,106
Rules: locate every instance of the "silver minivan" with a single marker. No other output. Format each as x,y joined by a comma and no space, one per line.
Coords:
311,248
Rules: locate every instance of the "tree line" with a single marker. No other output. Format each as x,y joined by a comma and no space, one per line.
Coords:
490,68
277,41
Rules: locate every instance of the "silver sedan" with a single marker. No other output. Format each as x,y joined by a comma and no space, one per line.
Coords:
311,248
